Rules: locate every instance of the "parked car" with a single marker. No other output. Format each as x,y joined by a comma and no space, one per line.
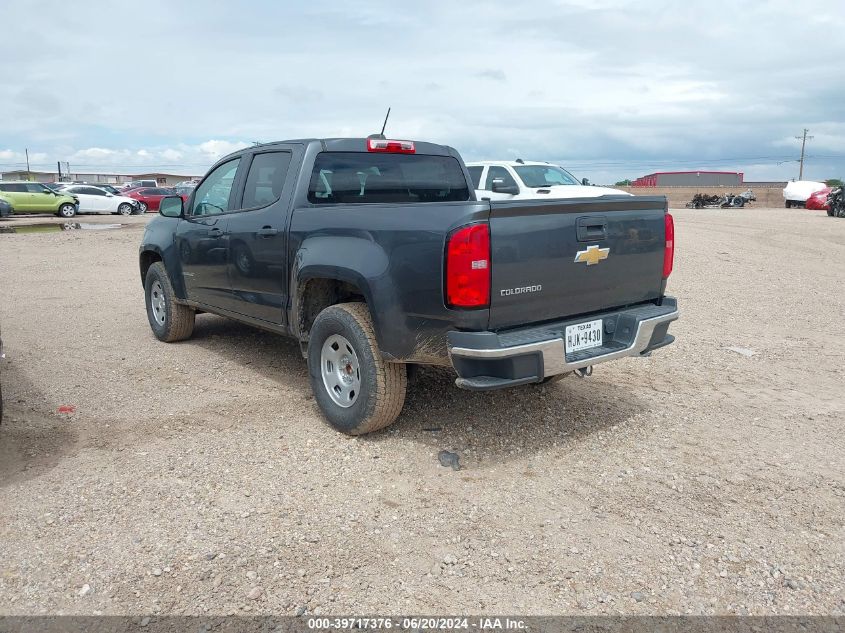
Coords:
149,197
137,184
5,208
34,197
96,200
374,254
818,200
530,180
795,193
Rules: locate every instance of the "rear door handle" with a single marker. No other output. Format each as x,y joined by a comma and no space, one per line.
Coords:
267,231
215,232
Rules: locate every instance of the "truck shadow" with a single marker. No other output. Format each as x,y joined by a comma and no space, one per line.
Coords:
483,427
32,441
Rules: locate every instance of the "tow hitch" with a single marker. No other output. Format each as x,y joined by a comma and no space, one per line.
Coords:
584,372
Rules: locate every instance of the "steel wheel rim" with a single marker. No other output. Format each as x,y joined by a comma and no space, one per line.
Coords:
340,370
157,303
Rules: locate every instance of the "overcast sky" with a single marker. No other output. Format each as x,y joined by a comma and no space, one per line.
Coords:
608,88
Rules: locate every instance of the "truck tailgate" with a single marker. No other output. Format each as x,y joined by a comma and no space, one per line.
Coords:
549,261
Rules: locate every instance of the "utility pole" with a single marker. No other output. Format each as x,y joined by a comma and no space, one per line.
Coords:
26,150
803,143
59,165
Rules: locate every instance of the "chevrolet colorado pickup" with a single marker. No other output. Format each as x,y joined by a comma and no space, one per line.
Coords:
375,255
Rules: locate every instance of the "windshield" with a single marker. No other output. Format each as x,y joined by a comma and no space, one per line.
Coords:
545,176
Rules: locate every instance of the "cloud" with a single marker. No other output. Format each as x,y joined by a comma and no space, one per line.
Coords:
492,73
217,148
611,87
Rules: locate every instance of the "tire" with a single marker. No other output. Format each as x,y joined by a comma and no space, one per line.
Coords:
738,202
142,206
344,333
830,210
124,208
787,204
66,210
841,211
170,321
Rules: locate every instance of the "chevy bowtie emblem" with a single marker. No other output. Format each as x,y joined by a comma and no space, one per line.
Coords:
593,255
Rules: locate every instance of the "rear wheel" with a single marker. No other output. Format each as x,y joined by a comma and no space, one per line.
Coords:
143,207
66,210
169,320
358,392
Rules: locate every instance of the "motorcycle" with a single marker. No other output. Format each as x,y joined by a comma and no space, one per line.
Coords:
704,201
836,203
739,201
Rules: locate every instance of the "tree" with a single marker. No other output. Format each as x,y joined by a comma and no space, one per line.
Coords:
623,183
833,182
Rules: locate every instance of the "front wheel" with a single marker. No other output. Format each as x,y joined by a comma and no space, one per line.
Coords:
358,392
169,320
125,209
67,210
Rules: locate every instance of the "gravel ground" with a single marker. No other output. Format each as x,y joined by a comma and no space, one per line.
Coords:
199,477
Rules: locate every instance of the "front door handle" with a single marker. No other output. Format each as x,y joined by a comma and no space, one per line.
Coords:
267,231
215,232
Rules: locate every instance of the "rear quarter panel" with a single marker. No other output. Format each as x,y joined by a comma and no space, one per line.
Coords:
394,254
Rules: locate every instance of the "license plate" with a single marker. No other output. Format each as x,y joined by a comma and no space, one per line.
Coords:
583,336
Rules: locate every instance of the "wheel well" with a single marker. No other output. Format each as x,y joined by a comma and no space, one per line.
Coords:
315,295
148,258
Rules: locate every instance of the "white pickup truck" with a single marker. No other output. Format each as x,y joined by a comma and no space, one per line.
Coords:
530,180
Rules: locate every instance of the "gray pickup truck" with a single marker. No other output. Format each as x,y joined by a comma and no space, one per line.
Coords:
375,255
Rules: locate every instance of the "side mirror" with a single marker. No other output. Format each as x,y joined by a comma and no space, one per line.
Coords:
171,207
499,186
585,182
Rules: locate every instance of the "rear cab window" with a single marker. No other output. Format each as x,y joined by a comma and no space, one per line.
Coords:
372,178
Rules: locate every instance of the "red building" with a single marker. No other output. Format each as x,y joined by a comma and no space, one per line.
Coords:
690,179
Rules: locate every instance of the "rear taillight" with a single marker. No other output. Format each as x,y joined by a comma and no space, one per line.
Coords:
669,249
468,267
395,147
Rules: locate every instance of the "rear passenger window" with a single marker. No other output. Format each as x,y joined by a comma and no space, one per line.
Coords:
499,172
475,174
370,178
13,187
266,179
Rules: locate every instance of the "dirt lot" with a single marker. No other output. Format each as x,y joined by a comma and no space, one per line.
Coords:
199,478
